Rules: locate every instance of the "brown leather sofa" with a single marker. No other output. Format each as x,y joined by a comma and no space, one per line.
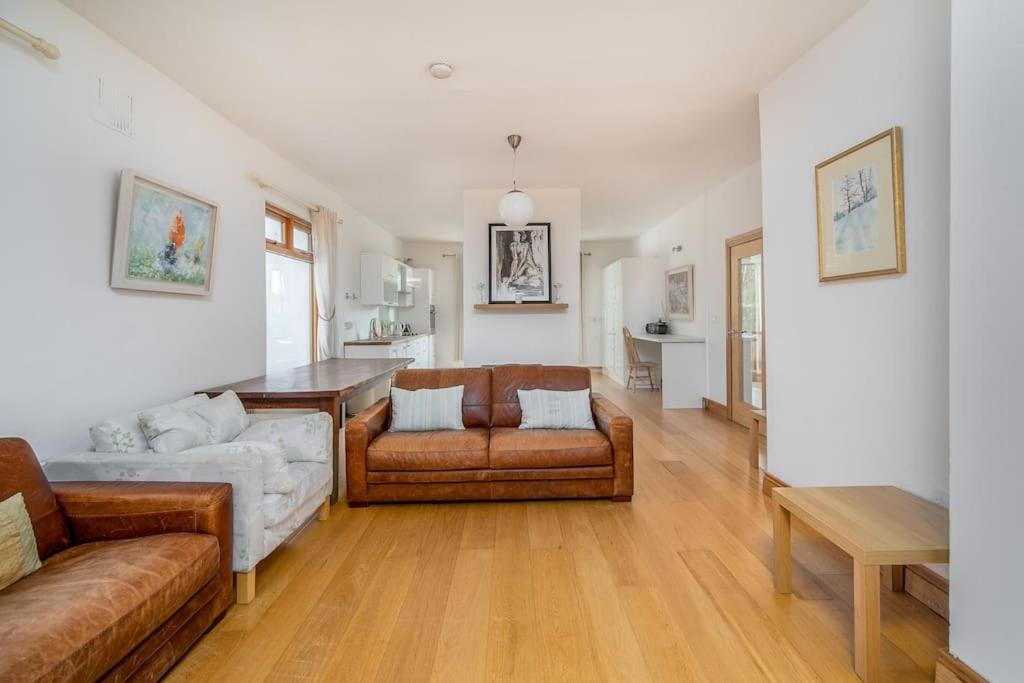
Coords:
492,459
132,575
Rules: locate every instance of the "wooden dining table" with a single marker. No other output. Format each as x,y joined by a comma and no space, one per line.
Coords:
325,386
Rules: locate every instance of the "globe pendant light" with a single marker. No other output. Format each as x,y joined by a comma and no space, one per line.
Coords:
516,207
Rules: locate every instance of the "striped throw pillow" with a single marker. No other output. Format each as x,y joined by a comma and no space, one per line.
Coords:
426,410
19,556
544,409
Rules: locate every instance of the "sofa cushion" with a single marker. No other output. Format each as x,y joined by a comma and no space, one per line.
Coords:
427,410
476,395
507,380
305,438
176,427
454,450
123,433
19,556
90,605
308,477
546,409
513,448
20,473
225,416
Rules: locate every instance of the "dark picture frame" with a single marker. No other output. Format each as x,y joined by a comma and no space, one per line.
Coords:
533,277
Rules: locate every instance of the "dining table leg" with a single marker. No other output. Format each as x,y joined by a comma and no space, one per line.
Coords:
333,406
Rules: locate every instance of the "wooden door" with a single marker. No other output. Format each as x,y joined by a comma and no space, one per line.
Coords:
745,357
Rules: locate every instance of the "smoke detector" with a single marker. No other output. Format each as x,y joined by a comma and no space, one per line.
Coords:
441,70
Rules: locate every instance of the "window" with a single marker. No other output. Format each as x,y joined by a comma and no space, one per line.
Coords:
291,304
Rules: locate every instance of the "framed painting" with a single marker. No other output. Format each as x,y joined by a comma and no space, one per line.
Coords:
860,210
164,238
519,263
679,293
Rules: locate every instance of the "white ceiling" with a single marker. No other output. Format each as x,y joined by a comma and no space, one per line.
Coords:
640,103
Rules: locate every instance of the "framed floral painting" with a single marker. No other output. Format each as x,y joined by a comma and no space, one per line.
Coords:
860,210
164,238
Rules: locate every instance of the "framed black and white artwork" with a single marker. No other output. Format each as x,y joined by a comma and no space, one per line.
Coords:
520,263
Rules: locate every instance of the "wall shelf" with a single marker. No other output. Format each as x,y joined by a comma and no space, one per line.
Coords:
520,308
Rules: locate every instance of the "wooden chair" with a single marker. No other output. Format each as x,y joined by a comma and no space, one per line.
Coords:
637,366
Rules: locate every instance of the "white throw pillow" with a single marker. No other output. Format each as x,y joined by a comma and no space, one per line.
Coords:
305,438
276,477
176,427
119,434
123,434
545,409
225,415
426,410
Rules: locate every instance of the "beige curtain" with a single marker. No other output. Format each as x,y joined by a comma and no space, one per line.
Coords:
325,267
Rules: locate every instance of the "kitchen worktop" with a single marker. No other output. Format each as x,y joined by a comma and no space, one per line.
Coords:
386,341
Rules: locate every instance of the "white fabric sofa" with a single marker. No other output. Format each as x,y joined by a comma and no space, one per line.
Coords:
279,468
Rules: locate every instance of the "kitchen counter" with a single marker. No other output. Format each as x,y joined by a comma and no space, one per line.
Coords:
386,341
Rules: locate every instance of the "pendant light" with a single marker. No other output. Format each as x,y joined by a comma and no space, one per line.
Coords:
516,207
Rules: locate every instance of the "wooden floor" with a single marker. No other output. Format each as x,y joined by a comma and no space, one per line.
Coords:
675,586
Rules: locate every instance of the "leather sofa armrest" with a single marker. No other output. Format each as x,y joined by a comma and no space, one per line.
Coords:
618,427
111,510
360,431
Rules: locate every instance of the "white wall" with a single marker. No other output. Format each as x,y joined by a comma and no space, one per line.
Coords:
601,253
550,338
72,349
986,467
446,294
858,388
702,226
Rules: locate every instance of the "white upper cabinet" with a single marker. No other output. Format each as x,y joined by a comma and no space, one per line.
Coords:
385,281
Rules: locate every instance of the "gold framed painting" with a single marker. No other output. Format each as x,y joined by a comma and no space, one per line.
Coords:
860,210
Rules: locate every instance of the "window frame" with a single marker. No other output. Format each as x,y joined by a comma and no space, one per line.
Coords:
289,224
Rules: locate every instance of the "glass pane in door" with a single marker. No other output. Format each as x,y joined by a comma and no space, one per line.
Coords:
289,312
751,330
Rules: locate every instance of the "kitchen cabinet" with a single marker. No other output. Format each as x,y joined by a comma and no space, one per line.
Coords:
385,281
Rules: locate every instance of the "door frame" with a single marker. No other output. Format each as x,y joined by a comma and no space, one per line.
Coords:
749,236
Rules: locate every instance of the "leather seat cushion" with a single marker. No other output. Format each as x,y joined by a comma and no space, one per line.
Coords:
90,605
538,448
448,450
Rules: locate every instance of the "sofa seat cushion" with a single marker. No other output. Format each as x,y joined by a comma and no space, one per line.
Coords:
308,477
513,448
90,605
451,450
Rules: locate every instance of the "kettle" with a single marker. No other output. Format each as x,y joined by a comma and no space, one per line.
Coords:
660,327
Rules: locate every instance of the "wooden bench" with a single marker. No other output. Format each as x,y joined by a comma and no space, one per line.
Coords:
879,526
758,421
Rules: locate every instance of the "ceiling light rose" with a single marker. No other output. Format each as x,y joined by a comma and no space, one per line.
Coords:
516,207
441,70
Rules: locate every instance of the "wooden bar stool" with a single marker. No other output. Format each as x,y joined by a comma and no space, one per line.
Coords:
638,369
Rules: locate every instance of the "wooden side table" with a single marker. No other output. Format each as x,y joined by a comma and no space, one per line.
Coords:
878,526
758,422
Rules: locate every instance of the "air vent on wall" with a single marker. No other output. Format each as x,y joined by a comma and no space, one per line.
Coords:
112,108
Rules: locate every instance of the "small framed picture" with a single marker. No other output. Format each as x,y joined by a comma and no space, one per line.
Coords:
679,293
520,263
860,210
164,238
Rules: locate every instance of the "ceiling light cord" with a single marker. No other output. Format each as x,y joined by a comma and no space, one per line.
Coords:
513,142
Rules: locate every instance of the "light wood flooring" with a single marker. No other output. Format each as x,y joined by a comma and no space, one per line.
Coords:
675,586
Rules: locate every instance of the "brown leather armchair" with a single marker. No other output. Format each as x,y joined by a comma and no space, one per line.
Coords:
133,573
491,459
